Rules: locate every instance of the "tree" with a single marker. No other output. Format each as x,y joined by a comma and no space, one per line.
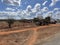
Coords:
47,19
35,19
10,21
38,21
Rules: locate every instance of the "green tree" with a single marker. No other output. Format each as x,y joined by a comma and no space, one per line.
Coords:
35,19
47,19
10,22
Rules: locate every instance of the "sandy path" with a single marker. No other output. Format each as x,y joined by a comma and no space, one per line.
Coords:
32,39
53,41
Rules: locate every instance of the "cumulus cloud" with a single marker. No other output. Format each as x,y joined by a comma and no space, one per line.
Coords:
29,12
37,7
10,9
56,9
50,13
44,3
29,8
53,2
20,14
57,14
1,0
5,15
12,2
39,15
8,13
45,9
26,13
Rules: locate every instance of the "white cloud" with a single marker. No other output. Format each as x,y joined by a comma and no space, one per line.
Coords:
19,14
57,14
37,7
56,9
45,9
53,2
29,12
12,2
49,13
10,9
44,3
26,13
29,8
39,15
1,0
6,15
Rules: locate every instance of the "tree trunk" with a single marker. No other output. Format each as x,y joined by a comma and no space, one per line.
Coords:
9,25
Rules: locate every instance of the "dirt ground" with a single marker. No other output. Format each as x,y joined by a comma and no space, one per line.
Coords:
28,36
16,26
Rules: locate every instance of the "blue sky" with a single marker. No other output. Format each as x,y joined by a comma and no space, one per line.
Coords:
23,6
25,3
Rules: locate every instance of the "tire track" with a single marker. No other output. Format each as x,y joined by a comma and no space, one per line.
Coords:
32,39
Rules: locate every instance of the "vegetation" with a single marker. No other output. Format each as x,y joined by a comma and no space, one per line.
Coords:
45,21
10,22
37,21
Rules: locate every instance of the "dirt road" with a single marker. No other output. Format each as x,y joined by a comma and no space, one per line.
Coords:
53,41
31,40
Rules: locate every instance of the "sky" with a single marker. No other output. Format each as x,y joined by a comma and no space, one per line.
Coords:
28,9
